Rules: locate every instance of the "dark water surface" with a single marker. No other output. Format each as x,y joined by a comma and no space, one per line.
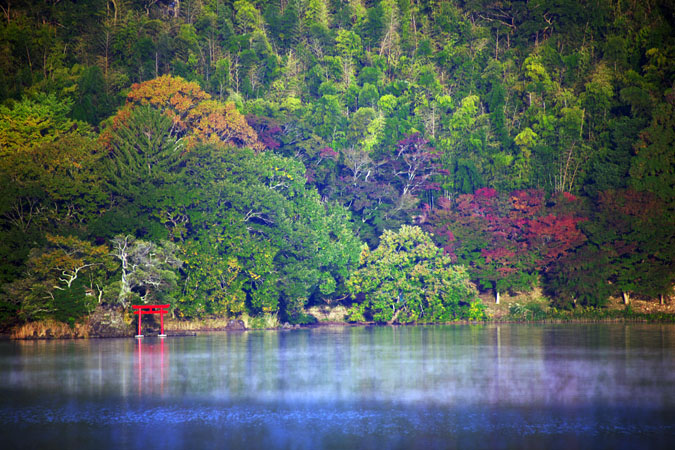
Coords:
492,386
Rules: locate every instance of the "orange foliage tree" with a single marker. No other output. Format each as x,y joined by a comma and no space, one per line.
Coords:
194,115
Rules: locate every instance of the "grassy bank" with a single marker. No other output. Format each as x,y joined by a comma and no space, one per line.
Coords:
266,321
51,329
533,313
533,307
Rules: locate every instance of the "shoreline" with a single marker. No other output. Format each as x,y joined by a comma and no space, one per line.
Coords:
525,308
634,318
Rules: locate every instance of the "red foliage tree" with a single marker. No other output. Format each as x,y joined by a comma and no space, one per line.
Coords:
506,240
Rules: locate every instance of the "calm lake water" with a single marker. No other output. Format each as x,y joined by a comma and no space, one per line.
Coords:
482,386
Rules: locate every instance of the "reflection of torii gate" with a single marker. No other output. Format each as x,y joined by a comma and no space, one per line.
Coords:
151,309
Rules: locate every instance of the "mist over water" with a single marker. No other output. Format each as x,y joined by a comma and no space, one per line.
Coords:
479,386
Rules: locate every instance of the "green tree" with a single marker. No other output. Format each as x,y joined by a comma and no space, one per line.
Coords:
93,103
316,12
653,168
247,17
408,279
139,169
580,278
261,241
32,122
632,229
64,280
50,187
149,270
142,153
463,147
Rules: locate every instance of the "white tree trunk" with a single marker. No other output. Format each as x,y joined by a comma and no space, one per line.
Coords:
496,296
393,319
626,298
121,251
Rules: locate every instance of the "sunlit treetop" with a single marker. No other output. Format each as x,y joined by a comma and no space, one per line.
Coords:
195,116
214,122
173,95
32,122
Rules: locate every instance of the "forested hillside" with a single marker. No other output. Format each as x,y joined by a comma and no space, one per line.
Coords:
259,157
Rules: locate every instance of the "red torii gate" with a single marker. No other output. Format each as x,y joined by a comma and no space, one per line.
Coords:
151,309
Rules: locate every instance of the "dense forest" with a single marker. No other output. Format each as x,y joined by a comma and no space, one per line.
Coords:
396,157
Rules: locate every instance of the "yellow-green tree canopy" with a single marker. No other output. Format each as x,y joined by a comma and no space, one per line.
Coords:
32,122
408,279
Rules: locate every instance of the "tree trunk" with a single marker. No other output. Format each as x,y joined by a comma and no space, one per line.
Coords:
114,2
496,296
7,11
393,319
122,253
661,299
626,298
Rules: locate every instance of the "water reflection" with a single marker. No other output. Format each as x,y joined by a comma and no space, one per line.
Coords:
436,385
506,365
151,360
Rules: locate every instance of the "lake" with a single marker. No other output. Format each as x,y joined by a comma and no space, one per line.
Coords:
466,386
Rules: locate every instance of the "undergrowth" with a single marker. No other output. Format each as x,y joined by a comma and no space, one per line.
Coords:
48,329
534,312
